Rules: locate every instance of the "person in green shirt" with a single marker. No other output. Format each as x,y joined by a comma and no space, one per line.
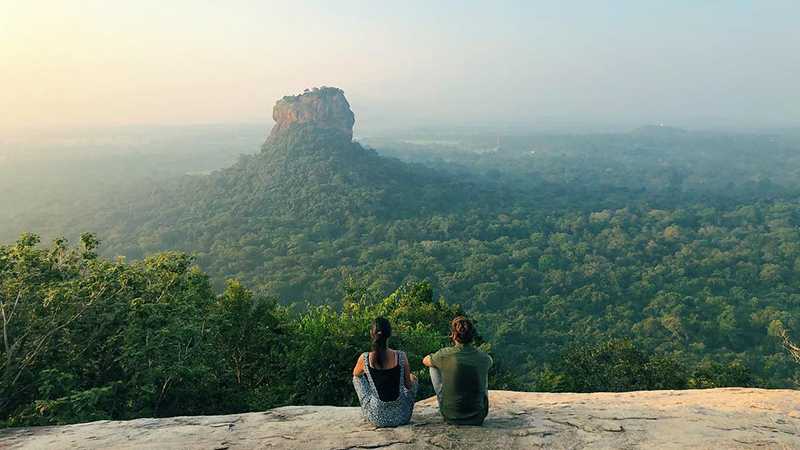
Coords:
460,377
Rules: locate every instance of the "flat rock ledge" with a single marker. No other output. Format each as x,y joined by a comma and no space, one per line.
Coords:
695,419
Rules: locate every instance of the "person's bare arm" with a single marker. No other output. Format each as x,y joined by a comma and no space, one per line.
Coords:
427,361
359,369
409,378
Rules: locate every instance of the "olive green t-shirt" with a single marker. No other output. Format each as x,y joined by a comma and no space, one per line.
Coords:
465,371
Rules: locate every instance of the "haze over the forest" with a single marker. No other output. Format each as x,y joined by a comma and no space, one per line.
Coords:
688,63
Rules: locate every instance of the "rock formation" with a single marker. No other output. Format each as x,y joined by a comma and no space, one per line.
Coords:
730,418
321,108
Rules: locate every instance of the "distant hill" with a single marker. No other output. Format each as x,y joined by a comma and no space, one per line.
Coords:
309,165
309,184
659,131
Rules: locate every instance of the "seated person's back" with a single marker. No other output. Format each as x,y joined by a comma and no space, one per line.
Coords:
387,381
385,387
463,393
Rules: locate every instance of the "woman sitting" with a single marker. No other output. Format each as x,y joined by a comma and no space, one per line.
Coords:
384,385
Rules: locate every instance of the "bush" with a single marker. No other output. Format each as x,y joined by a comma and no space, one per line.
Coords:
710,374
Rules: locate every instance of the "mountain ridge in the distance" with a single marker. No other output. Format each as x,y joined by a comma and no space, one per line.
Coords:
310,184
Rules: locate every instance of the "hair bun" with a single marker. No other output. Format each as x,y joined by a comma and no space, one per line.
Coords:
463,330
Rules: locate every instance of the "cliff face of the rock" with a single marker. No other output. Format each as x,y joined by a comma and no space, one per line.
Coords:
699,419
325,108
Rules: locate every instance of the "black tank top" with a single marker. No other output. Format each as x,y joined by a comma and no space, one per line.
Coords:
387,382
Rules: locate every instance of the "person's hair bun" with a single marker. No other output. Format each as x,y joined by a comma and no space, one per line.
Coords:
463,330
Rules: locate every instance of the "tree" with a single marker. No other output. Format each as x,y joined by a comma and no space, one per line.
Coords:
792,348
711,374
42,294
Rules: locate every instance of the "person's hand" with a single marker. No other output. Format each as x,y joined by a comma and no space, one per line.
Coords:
413,378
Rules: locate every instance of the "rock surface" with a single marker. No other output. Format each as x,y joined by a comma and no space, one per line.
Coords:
321,108
698,419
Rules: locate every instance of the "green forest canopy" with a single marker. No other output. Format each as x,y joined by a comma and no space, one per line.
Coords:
88,339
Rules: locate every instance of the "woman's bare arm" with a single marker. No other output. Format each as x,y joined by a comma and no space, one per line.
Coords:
359,369
409,378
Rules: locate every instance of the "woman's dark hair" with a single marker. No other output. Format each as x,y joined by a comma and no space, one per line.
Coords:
463,330
381,331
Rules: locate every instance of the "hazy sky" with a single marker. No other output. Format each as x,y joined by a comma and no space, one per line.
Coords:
97,63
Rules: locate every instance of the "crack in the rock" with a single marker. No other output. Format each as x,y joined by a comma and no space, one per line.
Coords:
774,429
728,429
759,444
569,424
637,418
371,446
435,444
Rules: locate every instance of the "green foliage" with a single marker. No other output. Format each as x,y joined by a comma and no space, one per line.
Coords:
665,373
251,338
617,365
91,339
711,374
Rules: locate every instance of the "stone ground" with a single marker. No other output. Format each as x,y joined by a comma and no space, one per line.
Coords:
731,418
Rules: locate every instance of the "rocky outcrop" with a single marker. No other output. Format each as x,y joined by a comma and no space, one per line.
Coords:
697,419
320,108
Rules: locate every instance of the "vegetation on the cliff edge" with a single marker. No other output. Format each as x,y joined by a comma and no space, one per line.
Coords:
86,338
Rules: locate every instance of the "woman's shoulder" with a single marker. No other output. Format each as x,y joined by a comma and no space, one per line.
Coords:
401,355
390,351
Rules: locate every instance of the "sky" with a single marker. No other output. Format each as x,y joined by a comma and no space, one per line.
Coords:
87,63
